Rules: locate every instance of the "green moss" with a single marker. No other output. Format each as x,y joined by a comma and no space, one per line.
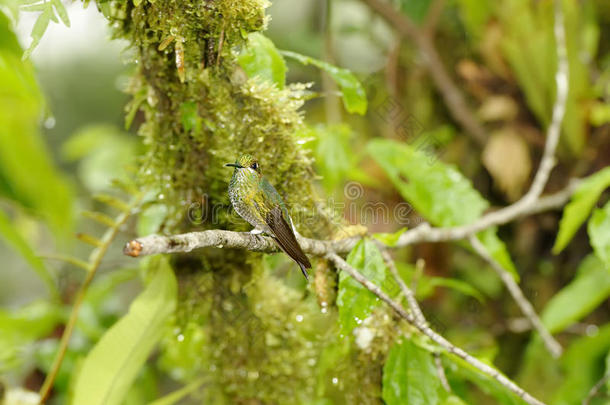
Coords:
256,337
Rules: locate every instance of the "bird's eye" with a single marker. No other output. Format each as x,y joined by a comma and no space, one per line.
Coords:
254,166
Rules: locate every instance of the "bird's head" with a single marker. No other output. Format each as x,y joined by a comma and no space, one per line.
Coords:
246,164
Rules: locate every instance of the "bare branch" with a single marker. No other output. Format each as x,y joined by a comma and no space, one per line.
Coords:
406,291
435,337
552,137
425,233
526,307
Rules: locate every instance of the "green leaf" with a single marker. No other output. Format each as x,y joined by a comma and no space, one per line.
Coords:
61,12
355,302
459,369
582,363
389,239
409,376
13,237
104,153
599,233
175,396
22,327
587,291
112,365
151,218
354,96
415,9
190,117
457,285
260,58
579,207
27,173
40,26
437,191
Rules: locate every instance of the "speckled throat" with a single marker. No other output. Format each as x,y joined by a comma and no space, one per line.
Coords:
246,195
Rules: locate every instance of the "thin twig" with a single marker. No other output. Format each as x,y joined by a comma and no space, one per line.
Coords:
440,370
435,337
426,233
406,291
552,137
526,307
434,14
95,260
451,93
595,389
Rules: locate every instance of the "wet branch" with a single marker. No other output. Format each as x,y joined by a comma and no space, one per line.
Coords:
425,329
186,242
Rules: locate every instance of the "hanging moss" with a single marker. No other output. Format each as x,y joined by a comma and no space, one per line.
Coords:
258,339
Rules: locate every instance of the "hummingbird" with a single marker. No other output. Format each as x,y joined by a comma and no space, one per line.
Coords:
259,203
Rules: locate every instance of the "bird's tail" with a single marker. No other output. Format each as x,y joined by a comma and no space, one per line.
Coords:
304,270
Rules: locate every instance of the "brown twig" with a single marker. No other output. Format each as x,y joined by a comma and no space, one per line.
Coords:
455,100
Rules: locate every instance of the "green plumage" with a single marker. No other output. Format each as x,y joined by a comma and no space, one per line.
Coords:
259,203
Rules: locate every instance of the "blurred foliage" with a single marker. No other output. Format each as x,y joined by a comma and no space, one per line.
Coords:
217,326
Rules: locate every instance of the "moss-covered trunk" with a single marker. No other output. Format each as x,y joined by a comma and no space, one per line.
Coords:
259,338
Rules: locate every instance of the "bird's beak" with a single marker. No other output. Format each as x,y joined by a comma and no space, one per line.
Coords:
232,165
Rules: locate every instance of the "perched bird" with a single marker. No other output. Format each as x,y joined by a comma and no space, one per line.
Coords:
259,203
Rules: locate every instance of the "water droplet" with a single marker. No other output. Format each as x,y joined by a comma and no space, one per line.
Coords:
299,318
324,310
161,196
181,338
49,122
591,330
335,380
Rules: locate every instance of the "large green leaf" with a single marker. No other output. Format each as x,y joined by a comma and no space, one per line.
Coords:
410,377
581,204
13,237
27,173
262,59
590,287
112,365
355,302
599,233
354,96
437,191
458,369
104,153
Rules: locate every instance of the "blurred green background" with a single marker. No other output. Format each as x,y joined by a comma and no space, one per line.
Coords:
63,140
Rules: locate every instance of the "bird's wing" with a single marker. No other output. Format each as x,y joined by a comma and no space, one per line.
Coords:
283,235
